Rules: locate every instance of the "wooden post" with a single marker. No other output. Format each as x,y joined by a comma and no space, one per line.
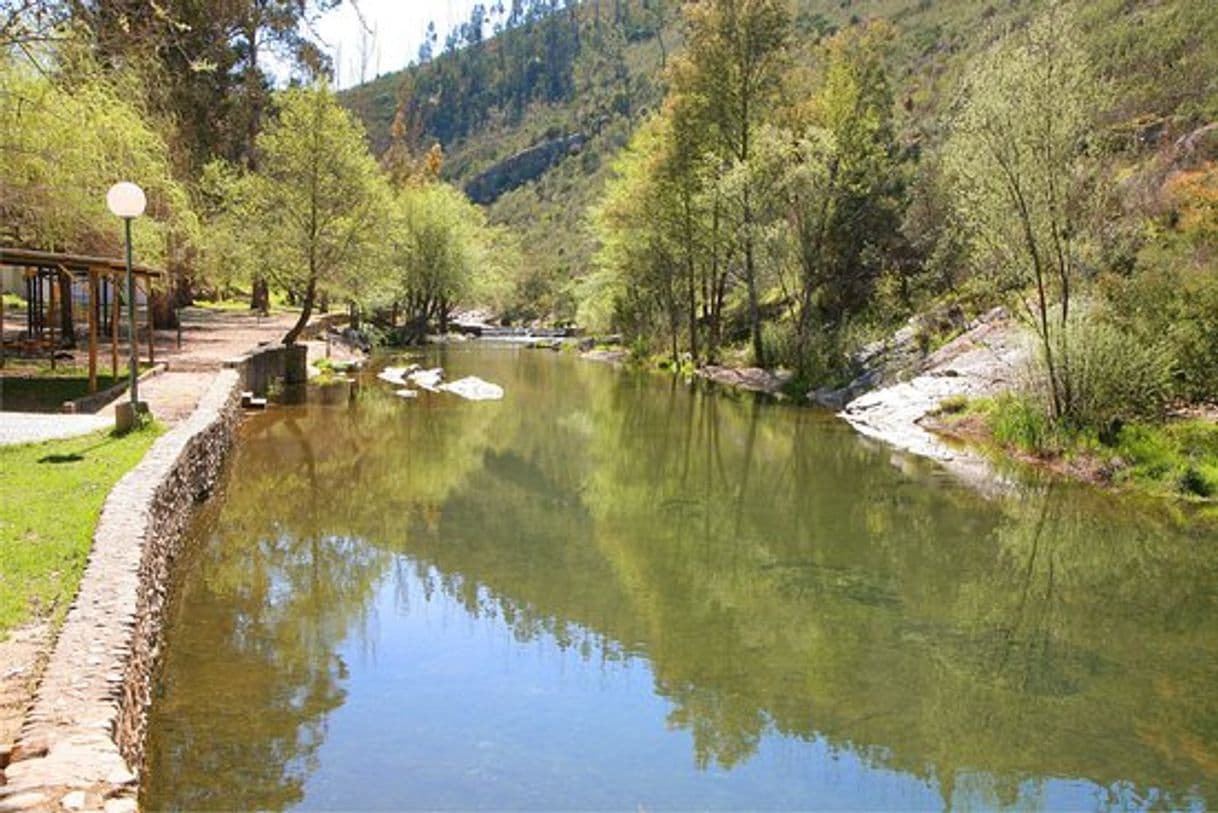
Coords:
114,319
92,330
50,312
151,323
52,309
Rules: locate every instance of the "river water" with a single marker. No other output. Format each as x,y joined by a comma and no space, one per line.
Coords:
612,590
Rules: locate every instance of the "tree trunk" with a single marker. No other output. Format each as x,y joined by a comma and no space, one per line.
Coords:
750,278
260,296
306,310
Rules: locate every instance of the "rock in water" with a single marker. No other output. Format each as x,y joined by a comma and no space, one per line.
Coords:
473,388
393,375
427,379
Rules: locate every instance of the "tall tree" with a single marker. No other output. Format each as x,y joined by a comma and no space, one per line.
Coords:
842,185
734,60
317,198
1021,160
439,253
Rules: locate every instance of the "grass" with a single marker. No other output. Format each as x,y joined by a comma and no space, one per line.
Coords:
1177,458
38,388
51,495
278,303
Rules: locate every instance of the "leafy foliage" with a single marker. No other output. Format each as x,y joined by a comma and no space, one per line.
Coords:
66,141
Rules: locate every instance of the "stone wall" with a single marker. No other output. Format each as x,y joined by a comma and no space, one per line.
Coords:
82,745
82,742
270,363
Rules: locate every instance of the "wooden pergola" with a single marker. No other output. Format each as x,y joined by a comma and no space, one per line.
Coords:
103,277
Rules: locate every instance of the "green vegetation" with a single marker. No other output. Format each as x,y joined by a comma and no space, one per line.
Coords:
1178,457
773,182
45,390
50,498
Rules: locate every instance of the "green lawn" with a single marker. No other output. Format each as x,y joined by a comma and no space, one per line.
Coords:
50,497
47,393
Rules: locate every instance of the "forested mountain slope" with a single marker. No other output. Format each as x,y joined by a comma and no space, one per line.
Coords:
592,72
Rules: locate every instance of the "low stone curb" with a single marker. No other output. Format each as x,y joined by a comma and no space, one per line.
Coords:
82,744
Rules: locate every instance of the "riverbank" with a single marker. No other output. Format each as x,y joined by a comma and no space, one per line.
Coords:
986,359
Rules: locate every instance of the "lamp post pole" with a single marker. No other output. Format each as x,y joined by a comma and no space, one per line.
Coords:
134,361
126,200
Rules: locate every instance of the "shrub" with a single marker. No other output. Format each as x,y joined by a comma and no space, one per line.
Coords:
1108,378
953,405
1193,481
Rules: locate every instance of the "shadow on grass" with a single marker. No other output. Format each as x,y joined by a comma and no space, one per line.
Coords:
81,454
62,458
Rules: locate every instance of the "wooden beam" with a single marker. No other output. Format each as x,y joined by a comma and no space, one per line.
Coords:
92,331
78,263
50,311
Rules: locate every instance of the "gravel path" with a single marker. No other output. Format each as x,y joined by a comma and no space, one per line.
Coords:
209,337
32,427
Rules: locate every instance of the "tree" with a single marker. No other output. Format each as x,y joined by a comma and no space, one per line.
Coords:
841,186
73,130
1021,161
734,61
441,254
317,201
638,283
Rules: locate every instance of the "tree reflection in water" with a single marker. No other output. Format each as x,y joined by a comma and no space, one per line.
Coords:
778,574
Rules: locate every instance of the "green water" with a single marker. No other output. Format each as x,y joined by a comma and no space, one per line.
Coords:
613,591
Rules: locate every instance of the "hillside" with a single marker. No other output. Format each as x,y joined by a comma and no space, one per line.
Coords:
589,74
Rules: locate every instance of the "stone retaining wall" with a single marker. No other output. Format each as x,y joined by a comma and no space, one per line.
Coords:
82,745
270,363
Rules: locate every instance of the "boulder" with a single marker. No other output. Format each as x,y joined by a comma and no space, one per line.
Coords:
427,379
473,388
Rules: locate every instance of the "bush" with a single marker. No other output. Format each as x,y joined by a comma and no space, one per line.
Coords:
953,405
1109,378
1172,306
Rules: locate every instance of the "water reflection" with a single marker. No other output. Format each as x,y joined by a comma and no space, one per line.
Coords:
751,582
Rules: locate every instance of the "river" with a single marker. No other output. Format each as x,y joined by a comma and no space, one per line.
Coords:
612,590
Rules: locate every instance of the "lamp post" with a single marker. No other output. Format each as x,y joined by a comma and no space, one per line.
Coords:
126,200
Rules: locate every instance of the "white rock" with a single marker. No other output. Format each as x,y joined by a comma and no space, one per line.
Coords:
427,379
74,800
121,776
474,389
393,375
123,804
405,393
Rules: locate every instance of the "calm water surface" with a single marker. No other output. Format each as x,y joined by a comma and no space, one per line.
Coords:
612,591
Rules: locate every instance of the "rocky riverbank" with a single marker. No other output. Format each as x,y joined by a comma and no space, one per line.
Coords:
987,358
